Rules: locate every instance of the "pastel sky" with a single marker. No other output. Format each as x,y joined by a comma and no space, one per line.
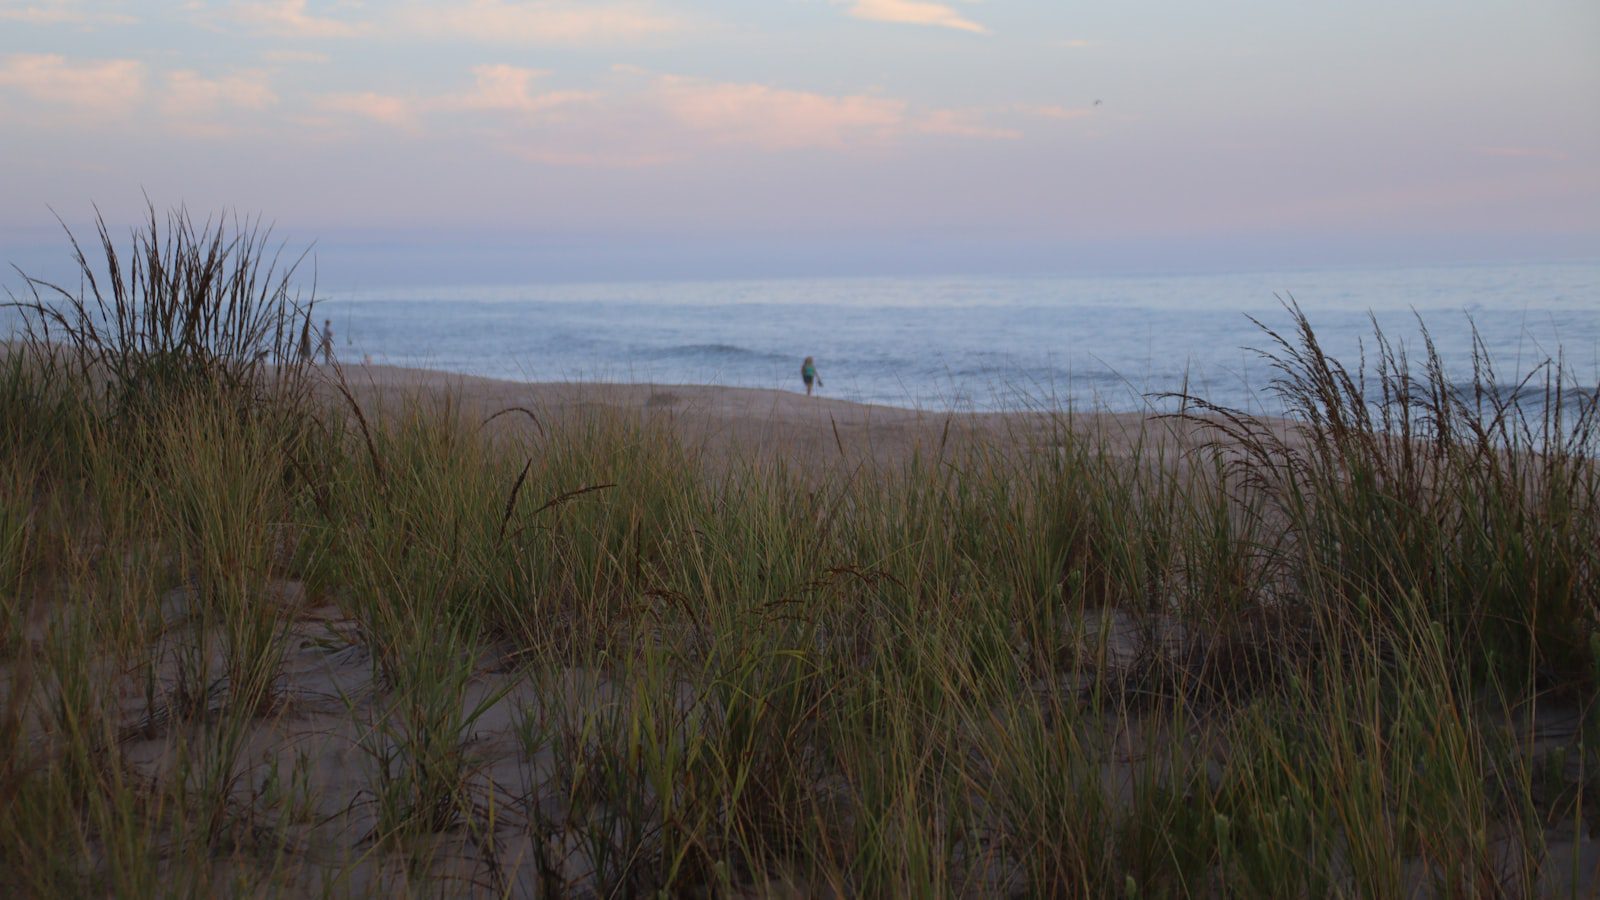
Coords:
508,139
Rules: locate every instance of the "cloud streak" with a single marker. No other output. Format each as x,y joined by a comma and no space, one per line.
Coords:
915,12
290,18
61,12
533,22
539,22
642,118
496,88
775,118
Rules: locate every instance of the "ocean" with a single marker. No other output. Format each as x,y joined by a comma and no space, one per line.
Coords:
1111,343
1116,343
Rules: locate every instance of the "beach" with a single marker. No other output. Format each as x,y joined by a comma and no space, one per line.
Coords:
968,344
816,433
371,630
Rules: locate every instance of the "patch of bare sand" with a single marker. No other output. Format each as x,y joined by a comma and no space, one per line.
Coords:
753,423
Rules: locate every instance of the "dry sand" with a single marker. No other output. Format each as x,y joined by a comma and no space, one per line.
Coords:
747,422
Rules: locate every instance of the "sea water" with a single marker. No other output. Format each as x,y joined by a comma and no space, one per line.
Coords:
1118,343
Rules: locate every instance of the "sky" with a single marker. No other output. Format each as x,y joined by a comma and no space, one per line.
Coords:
452,141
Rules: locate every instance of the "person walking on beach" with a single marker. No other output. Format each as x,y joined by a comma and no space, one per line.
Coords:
808,374
327,342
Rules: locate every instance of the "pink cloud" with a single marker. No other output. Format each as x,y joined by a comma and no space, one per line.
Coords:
915,12
645,119
101,87
775,118
506,87
190,94
485,21
496,88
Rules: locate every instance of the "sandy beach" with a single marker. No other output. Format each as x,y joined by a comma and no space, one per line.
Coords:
724,422
510,643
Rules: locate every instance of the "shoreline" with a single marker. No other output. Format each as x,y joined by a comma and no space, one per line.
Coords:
729,421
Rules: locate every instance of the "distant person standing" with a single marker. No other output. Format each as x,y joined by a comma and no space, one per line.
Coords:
808,374
327,341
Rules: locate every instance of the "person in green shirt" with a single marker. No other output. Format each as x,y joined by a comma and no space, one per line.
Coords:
808,374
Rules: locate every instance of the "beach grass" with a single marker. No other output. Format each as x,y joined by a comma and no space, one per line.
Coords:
257,637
